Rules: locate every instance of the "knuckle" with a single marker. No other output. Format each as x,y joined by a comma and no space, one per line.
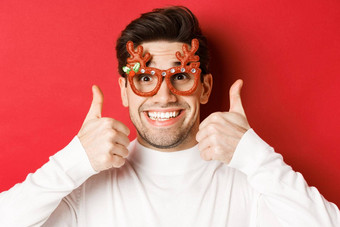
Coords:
114,133
105,160
122,162
205,154
118,149
211,129
103,121
118,161
107,122
125,152
215,138
216,116
125,129
219,150
127,142
107,131
110,133
202,154
110,146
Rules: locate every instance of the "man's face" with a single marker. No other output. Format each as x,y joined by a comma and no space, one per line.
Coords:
165,121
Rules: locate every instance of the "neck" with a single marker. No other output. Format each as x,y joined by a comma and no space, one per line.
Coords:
164,163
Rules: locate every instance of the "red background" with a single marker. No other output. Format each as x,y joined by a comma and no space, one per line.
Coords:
287,53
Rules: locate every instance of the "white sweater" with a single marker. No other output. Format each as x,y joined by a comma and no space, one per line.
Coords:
155,189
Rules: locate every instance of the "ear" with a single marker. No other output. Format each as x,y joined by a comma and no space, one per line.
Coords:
206,88
122,84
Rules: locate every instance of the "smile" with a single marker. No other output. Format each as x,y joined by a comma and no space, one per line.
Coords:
162,116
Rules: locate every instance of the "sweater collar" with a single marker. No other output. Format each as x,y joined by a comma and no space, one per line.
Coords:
164,163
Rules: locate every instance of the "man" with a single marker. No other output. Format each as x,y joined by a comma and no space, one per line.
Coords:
177,172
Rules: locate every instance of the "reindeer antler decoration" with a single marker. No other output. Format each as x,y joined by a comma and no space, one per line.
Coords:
189,56
137,56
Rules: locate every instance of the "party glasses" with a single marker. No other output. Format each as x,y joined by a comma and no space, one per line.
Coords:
146,81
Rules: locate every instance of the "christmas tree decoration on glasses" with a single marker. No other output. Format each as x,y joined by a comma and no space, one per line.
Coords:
146,81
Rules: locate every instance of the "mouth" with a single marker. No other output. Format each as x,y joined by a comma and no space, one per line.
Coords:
164,117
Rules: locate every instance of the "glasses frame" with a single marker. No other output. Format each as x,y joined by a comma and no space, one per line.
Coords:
193,69
189,64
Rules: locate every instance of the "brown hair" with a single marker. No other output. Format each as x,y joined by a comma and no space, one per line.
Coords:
176,24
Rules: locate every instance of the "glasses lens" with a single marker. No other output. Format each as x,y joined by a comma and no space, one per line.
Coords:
145,82
182,81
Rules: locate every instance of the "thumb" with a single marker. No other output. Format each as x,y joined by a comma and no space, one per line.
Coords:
96,105
235,98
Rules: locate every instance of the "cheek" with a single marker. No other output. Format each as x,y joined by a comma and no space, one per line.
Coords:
132,98
135,102
194,103
134,113
198,96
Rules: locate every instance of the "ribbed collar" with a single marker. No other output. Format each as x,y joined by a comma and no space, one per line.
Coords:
164,163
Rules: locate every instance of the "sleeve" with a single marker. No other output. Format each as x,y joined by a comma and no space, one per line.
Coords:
31,203
283,192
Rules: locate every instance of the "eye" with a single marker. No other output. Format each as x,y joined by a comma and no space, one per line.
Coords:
180,76
144,78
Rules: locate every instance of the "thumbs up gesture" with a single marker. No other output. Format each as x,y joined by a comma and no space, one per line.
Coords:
105,140
220,132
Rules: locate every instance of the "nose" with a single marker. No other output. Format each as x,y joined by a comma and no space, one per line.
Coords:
164,94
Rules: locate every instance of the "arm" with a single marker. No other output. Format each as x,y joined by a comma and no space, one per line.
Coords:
284,194
100,144
31,202
283,191
65,215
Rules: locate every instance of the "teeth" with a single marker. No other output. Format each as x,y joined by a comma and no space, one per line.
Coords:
162,116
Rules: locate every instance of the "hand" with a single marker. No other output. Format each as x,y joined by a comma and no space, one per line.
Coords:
220,132
105,140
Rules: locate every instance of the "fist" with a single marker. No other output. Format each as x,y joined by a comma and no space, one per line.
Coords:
220,132
105,140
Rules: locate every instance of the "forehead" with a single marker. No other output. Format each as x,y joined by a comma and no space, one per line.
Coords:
161,48
162,51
